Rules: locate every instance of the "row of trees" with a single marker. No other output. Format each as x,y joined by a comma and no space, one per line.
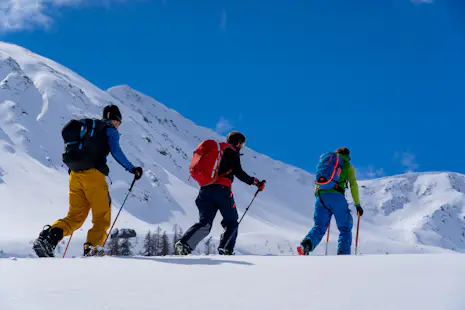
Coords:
157,243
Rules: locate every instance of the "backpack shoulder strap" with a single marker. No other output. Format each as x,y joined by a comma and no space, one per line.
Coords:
105,124
101,125
343,183
224,146
93,126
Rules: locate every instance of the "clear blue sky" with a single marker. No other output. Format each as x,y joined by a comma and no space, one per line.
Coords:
298,77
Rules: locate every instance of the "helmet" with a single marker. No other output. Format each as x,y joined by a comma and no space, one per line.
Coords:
111,112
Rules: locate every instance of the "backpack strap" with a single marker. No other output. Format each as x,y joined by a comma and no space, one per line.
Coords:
338,189
220,157
323,203
90,128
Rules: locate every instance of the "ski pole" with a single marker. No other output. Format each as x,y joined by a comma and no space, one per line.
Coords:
327,238
69,241
247,209
120,209
356,237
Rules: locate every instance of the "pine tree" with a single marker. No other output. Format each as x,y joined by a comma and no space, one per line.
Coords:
156,242
113,247
165,244
175,234
148,249
175,237
126,247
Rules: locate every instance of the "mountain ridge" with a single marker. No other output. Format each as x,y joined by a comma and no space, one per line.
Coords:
409,213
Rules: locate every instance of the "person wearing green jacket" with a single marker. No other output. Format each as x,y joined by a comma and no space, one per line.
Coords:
329,202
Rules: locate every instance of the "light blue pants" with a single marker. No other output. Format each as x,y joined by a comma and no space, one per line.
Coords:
326,205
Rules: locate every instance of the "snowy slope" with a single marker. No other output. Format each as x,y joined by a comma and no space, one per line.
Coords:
412,213
381,282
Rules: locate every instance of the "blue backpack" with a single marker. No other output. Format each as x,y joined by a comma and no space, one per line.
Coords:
329,171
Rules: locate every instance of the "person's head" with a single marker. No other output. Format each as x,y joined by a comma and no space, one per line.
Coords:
113,114
237,139
343,151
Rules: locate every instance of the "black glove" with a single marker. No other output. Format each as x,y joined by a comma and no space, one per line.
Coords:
359,209
137,171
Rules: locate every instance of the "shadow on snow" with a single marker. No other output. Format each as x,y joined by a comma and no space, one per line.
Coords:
189,260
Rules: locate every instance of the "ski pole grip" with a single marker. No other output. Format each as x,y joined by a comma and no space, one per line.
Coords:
261,186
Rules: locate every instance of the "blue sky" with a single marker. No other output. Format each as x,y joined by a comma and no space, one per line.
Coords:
298,77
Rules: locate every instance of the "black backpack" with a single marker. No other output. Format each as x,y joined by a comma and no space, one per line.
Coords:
84,144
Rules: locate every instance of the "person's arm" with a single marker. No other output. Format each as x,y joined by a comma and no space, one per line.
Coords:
353,185
236,167
115,149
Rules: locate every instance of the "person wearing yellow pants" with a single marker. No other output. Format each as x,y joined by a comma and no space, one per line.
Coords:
85,154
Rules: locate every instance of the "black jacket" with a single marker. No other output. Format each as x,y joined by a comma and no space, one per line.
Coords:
230,165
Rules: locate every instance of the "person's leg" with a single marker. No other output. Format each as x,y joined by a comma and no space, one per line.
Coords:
78,206
338,205
207,212
96,191
227,206
48,239
322,217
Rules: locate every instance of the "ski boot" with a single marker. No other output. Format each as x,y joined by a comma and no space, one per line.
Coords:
45,245
305,247
181,248
222,251
90,250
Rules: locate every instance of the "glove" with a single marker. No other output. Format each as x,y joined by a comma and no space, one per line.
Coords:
259,184
137,171
359,209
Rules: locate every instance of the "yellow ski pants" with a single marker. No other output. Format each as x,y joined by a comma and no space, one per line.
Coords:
88,190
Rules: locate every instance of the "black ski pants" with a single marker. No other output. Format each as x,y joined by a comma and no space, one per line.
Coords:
211,199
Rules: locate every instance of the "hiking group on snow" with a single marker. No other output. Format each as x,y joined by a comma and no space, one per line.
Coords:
214,166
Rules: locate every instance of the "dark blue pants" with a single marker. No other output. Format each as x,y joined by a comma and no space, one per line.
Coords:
211,199
326,205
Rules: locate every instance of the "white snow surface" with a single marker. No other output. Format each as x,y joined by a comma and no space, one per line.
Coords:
381,282
412,213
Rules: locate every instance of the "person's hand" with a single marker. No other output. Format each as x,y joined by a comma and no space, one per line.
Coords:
259,184
137,171
359,210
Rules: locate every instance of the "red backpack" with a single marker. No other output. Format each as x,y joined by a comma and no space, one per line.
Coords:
206,160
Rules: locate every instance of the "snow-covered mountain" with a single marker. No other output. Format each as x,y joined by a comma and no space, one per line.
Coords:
411,213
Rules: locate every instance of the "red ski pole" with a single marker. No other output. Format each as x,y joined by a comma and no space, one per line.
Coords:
327,238
356,237
69,241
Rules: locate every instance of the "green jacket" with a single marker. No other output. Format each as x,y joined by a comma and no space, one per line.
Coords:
347,175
